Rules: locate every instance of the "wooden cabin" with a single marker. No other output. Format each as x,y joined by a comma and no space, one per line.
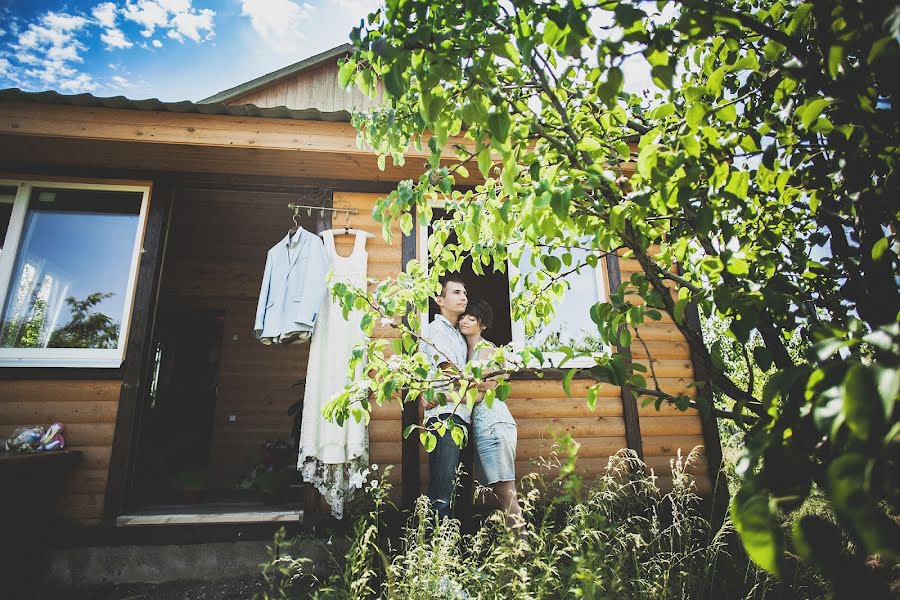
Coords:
175,392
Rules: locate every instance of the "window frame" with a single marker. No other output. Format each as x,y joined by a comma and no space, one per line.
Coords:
69,357
551,359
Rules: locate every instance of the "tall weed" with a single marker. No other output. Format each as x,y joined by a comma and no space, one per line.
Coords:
619,537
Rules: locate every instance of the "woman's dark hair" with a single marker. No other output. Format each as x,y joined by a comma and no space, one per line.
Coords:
482,311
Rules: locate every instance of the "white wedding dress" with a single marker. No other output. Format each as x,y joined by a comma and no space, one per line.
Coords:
329,454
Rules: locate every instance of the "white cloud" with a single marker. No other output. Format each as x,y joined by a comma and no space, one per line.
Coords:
190,24
360,7
45,50
105,14
114,38
80,83
278,22
148,13
157,44
178,16
4,67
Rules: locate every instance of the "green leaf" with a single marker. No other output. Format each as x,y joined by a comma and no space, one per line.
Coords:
489,397
856,507
567,381
695,114
617,218
835,57
346,72
592,393
754,520
863,410
484,161
609,89
738,267
728,113
811,111
662,76
560,201
818,541
428,440
647,159
499,124
763,358
459,435
588,144
879,248
662,111
878,47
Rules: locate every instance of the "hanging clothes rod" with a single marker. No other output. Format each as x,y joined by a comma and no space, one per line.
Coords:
309,208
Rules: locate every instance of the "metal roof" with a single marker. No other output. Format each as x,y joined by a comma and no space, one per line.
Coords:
298,67
186,106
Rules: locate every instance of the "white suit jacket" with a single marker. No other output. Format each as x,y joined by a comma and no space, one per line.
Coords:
293,288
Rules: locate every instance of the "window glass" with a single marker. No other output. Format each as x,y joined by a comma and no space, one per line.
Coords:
571,325
7,198
71,273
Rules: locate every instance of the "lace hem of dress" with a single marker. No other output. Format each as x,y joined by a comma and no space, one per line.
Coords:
336,482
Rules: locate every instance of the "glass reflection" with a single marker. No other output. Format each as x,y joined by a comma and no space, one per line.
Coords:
571,324
71,273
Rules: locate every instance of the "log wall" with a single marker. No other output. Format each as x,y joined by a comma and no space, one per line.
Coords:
317,88
88,409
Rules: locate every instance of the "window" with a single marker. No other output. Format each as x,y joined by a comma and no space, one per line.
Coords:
571,325
67,272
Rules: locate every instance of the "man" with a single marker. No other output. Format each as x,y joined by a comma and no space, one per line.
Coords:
447,353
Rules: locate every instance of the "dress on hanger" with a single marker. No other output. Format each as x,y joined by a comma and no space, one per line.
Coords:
330,453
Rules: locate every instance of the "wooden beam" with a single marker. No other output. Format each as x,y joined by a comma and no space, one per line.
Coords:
410,455
292,135
629,404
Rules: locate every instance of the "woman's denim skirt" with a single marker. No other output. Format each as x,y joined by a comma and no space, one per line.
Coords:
495,447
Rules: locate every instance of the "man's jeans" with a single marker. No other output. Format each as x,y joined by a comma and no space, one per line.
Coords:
443,462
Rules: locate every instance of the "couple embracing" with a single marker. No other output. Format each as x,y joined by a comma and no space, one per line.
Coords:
453,339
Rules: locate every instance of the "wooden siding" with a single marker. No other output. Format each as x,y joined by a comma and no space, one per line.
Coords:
317,88
88,409
669,431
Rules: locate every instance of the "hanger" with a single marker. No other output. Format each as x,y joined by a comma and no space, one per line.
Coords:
296,226
346,229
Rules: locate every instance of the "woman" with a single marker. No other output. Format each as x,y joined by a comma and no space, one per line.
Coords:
493,428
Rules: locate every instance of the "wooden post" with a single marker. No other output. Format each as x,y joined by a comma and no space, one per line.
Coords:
410,454
629,405
139,352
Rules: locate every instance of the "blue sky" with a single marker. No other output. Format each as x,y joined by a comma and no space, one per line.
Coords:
166,49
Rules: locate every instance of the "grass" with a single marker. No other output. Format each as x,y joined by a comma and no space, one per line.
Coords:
621,537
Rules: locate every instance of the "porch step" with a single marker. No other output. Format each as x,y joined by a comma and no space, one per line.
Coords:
182,518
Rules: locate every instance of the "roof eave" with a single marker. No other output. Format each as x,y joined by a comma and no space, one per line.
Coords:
269,78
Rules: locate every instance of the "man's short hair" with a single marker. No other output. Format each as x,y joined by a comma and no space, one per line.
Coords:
482,311
447,279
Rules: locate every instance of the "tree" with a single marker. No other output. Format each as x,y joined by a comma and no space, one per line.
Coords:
87,327
766,161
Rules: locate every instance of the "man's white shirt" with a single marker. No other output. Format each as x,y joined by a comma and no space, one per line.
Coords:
447,344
